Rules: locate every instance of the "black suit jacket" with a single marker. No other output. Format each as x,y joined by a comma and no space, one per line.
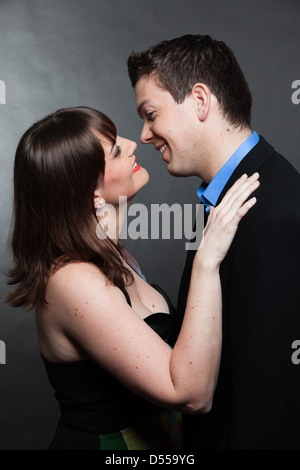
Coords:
257,399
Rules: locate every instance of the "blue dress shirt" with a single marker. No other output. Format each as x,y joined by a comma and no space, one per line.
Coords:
209,194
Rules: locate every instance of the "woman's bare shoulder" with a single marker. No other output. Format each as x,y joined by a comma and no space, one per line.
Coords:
75,271
75,279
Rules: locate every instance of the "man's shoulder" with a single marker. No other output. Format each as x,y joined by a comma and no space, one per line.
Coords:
276,173
279,190
281,164
267,159
277,208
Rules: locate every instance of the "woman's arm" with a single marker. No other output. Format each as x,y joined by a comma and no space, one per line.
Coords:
95,315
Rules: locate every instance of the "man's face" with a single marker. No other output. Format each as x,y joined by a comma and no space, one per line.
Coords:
172,128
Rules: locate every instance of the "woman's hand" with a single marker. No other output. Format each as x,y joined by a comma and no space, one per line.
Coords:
224,219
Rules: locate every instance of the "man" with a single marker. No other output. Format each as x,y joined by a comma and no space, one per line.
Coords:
196,107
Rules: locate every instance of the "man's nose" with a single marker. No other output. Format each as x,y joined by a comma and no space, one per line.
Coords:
146,134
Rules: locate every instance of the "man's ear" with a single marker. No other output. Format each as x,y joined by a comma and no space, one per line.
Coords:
202,97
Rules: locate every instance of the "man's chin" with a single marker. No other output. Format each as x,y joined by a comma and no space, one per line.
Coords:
174,172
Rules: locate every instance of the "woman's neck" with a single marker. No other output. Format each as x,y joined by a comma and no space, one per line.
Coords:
111,219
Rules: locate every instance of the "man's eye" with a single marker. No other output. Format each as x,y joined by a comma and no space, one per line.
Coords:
150,116
118,152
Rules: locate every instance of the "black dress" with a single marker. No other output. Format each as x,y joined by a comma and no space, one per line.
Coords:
99,413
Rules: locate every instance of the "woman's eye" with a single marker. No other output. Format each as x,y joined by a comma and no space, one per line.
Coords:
118,152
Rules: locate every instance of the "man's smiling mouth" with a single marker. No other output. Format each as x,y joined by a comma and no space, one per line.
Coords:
163,148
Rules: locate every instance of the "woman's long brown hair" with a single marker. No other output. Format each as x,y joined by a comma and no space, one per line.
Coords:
57,166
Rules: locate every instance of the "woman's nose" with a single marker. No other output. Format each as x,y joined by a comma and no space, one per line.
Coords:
128,146
132,147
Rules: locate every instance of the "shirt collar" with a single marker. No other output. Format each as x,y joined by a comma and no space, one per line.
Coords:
209,194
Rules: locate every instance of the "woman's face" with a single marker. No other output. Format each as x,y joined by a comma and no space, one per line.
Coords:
122,176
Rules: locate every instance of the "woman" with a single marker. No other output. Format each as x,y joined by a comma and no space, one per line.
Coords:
104,333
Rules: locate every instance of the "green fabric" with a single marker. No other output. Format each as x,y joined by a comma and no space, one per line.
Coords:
113,441
152,433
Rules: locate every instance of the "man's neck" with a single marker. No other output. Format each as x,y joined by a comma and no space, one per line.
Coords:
225,144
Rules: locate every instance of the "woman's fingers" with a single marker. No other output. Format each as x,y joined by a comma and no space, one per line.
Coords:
224,219
239,200
239,186
233,188
245,208
234,205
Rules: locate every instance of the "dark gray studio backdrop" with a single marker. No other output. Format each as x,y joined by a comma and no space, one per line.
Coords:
61,53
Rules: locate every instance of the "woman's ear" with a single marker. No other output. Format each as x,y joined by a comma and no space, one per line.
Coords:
202,96
99,201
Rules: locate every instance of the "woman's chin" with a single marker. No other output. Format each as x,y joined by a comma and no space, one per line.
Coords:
143,176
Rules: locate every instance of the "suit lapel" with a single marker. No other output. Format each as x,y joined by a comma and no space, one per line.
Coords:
250,164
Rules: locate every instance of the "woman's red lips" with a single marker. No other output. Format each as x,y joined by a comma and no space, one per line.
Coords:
136,166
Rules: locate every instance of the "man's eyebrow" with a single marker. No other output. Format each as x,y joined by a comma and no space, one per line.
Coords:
139,110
